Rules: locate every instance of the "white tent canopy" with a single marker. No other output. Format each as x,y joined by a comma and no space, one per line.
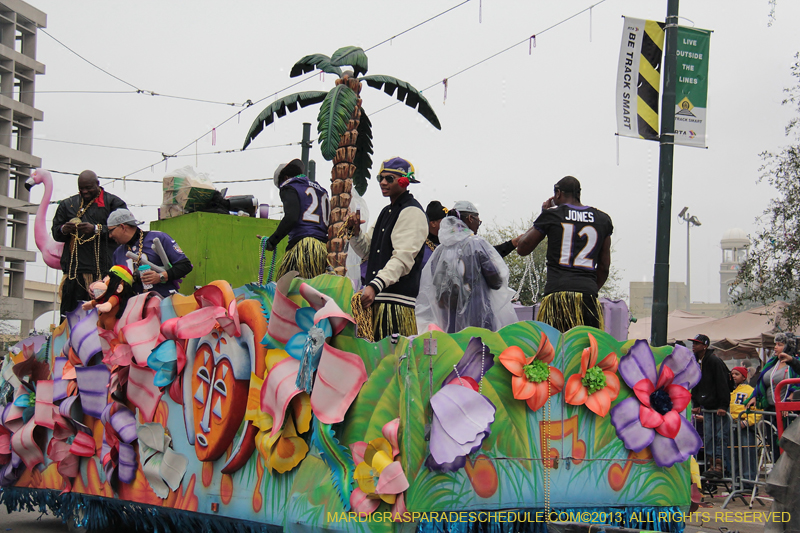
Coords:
754,328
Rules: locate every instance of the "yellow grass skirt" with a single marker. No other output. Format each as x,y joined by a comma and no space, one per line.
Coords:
565,310
309,257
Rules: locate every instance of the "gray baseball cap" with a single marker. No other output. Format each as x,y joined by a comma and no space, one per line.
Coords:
122,216
463,206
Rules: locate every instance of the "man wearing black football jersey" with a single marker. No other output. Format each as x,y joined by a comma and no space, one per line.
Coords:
578,257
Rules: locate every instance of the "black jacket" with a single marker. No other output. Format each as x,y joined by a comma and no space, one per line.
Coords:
87,263
713,391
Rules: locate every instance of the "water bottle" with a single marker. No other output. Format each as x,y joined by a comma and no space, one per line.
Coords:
142,270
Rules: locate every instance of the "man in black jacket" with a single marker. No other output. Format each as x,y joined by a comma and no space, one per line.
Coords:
393,248
80,223
712,393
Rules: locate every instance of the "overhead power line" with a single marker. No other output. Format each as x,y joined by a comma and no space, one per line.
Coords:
138,90
503,51
303,80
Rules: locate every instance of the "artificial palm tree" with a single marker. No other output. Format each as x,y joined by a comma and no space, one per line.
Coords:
345,131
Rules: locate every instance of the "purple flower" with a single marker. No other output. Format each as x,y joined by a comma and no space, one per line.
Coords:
654,417
461,420
462,416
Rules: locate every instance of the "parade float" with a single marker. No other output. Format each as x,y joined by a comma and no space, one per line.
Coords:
258,408
244,405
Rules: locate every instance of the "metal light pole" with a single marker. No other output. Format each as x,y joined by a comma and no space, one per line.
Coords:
690,221
658,326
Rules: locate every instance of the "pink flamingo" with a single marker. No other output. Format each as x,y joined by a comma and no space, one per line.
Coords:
50,248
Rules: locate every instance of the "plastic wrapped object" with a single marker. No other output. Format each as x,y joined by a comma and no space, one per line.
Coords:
185,191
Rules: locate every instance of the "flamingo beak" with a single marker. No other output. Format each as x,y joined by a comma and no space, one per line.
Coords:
29,183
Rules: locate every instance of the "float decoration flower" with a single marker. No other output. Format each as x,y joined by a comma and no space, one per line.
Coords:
5,445
117,454
93,388
462,416
379,476
339,374
163,468
168,360
285,450
654,417
597,384
11,471
83,335
530,374
67,446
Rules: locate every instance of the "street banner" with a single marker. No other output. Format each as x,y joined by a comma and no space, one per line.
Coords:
639,78
691,87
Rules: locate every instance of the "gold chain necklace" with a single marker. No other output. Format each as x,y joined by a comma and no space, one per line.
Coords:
72,270
82,209
141,248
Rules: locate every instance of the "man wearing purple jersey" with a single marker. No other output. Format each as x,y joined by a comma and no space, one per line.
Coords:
123,228
306,210
578,257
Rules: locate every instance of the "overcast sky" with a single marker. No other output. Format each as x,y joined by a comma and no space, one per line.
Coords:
511,126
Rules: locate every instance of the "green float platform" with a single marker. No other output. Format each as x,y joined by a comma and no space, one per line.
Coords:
220,247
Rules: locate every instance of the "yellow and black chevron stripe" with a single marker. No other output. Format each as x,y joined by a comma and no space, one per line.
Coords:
650,79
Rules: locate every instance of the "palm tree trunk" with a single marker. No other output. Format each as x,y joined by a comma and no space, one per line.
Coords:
342,183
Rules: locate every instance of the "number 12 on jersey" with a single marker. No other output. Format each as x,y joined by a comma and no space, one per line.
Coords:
582,259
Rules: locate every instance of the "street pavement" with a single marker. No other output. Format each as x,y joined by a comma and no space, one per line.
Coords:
737,516
33,522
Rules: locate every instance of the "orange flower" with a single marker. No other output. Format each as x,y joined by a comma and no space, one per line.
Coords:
597,385
534,379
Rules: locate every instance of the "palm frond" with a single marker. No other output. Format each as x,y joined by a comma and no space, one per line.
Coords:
287,104
405,93
336,111
312,63
363,159
353,56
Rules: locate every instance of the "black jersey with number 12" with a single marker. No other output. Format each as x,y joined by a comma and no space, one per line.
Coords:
575,236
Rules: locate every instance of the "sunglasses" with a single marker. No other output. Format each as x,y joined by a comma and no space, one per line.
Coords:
388,177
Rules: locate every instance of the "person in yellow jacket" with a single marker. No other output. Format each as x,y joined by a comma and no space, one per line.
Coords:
746,448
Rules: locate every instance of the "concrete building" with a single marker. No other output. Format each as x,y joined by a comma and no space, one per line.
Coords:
734,246
19,23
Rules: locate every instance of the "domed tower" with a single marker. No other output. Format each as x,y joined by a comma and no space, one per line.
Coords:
734,246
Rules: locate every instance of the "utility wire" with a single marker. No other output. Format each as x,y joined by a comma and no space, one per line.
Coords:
314,75
137,90
526,40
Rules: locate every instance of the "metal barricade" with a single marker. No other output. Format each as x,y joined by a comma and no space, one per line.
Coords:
717,433
754,452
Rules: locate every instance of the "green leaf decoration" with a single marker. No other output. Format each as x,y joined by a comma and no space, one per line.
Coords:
338,459
377,403
281,107
363,159
312,63
336,111
413,447
405,93
353,56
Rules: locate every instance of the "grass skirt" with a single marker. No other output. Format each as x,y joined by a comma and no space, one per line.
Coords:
309,257
565,310
393,318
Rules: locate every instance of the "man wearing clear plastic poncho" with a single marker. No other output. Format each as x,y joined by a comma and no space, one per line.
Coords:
465,282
